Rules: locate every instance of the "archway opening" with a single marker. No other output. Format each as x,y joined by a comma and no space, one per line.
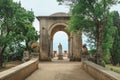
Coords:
60,37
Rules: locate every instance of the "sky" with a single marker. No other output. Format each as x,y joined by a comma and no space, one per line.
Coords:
48,7
60,37
42,7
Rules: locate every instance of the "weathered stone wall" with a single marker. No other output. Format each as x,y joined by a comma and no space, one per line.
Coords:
20,72
98,72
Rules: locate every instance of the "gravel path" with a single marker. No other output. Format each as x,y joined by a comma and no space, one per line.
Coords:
60,71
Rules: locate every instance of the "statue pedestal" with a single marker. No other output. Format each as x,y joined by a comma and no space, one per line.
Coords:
60,57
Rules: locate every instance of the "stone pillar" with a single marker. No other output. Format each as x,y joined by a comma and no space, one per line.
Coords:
44,45
77,42
51,47
69,47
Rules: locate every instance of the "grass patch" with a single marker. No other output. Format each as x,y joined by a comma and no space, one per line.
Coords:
113,68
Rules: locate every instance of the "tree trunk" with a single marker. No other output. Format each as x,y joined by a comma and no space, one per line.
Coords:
1,60
28,46
99,51
99,34
1,56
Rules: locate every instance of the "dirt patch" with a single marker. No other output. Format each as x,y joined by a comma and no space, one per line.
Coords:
10,65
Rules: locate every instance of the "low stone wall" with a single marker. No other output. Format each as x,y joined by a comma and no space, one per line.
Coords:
98,72
20,72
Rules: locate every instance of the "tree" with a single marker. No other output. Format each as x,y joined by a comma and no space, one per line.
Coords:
6,16
26,30
115,50
16,26
108,39
91,14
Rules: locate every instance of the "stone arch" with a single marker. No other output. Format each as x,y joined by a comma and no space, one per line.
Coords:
49,25
57,27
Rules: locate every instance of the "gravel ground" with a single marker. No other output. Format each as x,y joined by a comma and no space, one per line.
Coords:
60,71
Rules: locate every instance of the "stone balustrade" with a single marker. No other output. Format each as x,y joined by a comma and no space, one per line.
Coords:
98,72
21,71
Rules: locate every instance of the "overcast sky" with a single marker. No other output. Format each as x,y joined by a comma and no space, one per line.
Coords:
42,7
48,7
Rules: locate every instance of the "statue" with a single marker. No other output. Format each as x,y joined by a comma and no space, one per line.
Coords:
60,49
60,56
84,55
84,50
36,49
26,56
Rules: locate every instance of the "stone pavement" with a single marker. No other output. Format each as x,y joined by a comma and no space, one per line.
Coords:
60,71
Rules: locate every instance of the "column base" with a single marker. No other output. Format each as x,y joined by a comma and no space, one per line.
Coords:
60,57
45,59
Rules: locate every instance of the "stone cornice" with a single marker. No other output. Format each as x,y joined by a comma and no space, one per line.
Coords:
51,17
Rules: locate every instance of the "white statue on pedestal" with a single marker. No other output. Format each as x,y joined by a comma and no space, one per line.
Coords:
60,49
60,56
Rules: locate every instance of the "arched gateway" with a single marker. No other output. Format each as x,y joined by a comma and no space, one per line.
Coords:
49,25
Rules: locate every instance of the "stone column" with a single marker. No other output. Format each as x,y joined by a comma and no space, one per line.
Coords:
77,42
69,47
51,47
44,45
44,42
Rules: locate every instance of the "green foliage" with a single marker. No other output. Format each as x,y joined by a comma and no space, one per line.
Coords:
93,17
18,53
113,68
14,51
108,38
16,27
118,71
92,51
103,64
85,16
115,50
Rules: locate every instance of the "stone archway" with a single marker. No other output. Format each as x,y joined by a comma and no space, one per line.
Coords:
49,25
55,28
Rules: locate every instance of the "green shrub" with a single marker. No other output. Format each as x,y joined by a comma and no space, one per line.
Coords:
103,64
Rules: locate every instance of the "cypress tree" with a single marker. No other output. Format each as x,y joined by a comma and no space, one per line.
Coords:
115,51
